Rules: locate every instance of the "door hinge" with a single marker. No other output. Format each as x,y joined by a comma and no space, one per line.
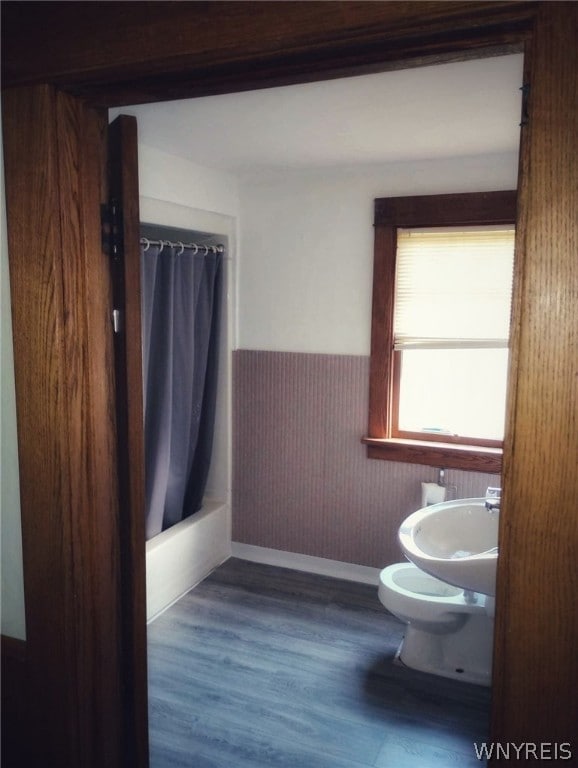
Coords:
111,228
525,96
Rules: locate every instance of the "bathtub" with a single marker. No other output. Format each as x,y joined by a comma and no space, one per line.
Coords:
178,558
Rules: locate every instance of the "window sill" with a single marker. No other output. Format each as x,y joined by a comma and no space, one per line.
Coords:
447,455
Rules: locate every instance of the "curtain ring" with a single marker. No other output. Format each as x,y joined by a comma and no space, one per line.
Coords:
196,247
147,244
180,253
161,246
206,247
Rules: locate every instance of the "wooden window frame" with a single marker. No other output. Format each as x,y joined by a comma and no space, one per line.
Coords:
383,439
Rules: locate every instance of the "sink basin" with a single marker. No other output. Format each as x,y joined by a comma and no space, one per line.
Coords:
456,541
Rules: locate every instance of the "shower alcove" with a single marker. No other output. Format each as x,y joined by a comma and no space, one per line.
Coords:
182,555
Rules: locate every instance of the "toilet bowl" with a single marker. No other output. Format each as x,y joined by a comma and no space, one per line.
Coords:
449,632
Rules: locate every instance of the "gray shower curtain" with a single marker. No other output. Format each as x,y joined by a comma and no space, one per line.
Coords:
180,317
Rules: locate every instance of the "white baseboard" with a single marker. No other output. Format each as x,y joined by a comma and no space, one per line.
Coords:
320,565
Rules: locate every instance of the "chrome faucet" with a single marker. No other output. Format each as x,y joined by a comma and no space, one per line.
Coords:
493,499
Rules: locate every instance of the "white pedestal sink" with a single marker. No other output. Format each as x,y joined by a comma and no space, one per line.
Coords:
456,541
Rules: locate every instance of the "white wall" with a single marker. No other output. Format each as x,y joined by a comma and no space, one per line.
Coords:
306,259
173,179
13,621
176,192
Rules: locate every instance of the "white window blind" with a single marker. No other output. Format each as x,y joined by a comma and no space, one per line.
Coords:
453,288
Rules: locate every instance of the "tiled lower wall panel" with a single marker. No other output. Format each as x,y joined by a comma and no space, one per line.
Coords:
301,479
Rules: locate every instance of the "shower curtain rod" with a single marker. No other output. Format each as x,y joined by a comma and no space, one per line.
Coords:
169,243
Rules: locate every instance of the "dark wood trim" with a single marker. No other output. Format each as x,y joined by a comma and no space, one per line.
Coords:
535,680
405,434
14,705
13,648
466,209
206,48
456,210
395,363
54,155
381,380
30,138
434,454
123,187
94,514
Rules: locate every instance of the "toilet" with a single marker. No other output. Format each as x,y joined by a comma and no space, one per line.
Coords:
449,631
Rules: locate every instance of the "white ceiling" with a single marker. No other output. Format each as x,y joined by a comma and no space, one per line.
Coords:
465,108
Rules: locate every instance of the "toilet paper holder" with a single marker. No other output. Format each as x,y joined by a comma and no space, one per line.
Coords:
434,493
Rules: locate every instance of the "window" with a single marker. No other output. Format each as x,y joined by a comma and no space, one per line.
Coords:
443,270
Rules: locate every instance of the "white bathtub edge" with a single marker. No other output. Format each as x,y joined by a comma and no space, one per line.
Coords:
181,557
319,565
166,606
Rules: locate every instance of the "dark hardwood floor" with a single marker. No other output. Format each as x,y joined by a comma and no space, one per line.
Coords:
266,667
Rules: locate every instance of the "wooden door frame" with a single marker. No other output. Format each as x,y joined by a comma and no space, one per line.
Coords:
72,676
298,42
